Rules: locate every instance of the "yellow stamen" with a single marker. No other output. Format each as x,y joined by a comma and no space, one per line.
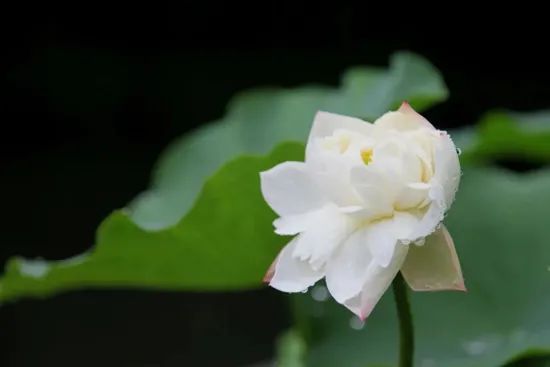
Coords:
366,155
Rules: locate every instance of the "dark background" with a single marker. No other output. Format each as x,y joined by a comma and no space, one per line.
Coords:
92,99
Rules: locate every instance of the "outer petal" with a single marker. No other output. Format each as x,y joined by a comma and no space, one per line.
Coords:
443,185
376,281
326,123
447,167
326,229
329,218
292,224
289,189
382,237
289,274
365,255
412,195
434,214
346,271
405,118
434,266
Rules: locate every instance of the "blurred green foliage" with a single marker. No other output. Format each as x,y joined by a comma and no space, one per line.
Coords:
204,226
225,238
511,136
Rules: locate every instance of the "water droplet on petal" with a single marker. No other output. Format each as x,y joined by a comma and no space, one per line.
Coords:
458,151
356,323
320,293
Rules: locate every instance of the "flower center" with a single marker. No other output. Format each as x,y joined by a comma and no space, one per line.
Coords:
366,155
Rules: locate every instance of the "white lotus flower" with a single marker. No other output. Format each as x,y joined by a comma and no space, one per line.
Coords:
367,202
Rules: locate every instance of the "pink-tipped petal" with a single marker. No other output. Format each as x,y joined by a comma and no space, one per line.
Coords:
291,274
407,109
377,281
434,266
271,271
405,118
356,279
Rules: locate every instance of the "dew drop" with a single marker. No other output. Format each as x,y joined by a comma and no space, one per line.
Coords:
356,323
458,151
320,293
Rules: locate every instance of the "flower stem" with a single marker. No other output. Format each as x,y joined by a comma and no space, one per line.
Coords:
406,337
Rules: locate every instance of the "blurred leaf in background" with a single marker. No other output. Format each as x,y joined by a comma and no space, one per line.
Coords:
185,234
226,240
509,136
291,350
258,120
